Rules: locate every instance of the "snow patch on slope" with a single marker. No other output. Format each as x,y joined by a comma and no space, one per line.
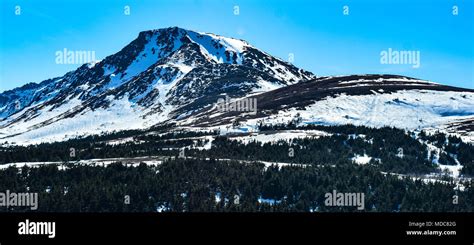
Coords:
215,47
287,136
88,122
407,109
361,159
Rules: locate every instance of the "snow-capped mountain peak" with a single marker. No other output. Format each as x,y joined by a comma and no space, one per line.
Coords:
159,76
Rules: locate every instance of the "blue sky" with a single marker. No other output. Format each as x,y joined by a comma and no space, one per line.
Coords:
321,38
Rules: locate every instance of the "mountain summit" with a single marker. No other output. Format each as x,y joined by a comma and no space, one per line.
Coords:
162,75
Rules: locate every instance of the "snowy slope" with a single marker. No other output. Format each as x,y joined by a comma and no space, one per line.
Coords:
408,109
367,100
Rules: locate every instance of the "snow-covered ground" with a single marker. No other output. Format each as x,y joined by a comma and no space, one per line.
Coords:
433,178
361,160
86,123
98,162
268,201
286,135
453,170
406,109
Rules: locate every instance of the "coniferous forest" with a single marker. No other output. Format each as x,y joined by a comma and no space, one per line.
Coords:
237,176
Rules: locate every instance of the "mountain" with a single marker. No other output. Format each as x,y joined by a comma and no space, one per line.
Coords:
176,76
161,75
365,100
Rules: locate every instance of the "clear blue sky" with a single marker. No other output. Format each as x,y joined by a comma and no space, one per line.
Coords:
322,39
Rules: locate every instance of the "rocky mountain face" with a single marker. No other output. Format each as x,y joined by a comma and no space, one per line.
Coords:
162,75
